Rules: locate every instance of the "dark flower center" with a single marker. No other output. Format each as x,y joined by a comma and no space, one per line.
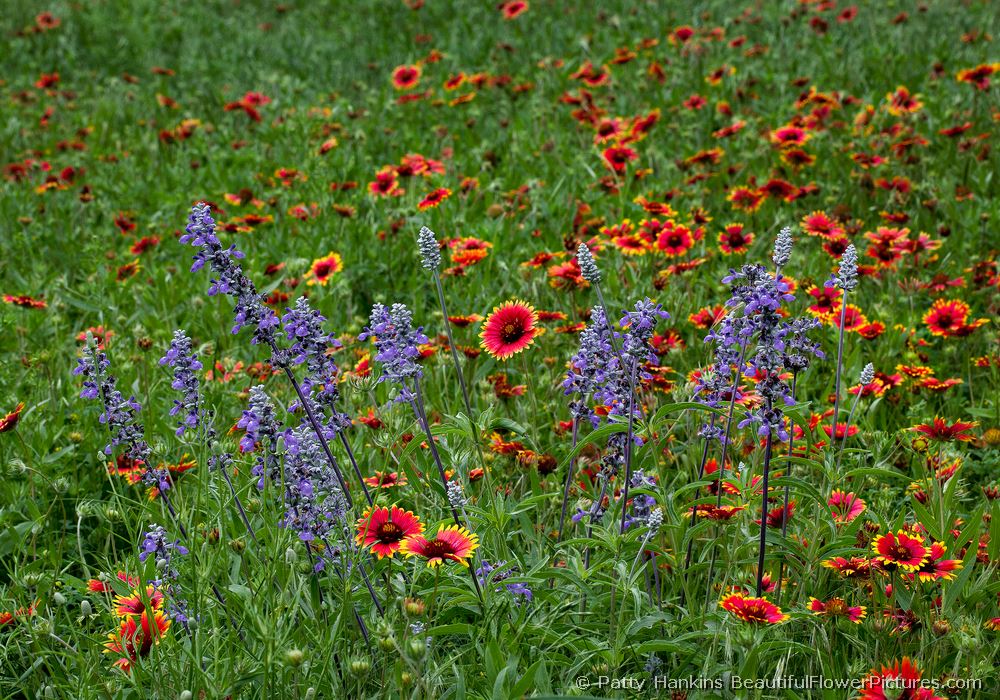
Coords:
900,553
388,533
436,549
511,331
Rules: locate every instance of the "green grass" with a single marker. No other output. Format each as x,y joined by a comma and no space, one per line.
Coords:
326,67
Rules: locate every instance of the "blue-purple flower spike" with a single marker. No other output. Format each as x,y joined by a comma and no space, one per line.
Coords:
185,362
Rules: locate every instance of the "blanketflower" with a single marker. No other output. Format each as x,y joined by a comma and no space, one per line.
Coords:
902,550
454,543
939,430
509,329
836,607
384,529
758,611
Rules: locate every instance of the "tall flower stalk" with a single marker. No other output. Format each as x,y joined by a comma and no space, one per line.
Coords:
846,280
866,378
430,259
396,341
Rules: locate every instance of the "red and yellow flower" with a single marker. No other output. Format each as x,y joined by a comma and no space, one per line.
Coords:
323,269
902,550
836,607
511,328
452,543
758,611
384,530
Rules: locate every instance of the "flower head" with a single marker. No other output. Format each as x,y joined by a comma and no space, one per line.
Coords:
902,550
185,362
510,329
383,530
452,543
758,611
588,267
391,329
430,251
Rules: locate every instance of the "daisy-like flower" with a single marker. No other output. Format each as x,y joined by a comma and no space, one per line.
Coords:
836,607
136,636
322,269
845,506
133,603
900,681
673,239
978,76
947,319
855,567
406,77
513,9
787,136
618,157
386,480
759,611
384,529
902,550
509,329
734,239
936,567
452,543
10,420
939,430
434,198
820,224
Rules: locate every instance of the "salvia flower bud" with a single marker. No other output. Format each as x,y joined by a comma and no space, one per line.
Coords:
588,267
430,251
783,247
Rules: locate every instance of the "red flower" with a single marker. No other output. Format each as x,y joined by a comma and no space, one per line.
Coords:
9,421
940,430
450,544
618,157
135,602
434,198
25,301
384,529
978,76
836,607
820,224
406,77
734,240
902,680
758,611
386,480
513,9
947,317
845,506
322,269
902,550
509,329
136,636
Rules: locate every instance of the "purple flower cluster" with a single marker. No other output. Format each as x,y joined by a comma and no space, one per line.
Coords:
313,499
754,340
642,504
260,423
303,326
185,362
119,414
396,340
249,308
588,369
490,574
155,544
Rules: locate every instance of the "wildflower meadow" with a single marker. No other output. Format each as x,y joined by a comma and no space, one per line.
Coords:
433,349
